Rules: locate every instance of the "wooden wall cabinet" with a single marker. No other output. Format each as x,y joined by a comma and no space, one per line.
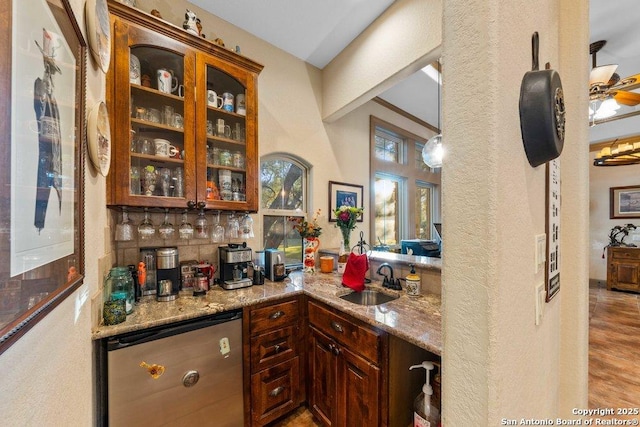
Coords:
215,161
347,369
275,361
623,268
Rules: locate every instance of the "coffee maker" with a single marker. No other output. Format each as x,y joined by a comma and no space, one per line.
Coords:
167,274
234,260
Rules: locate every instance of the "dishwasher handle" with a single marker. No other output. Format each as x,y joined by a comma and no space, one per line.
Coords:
158,332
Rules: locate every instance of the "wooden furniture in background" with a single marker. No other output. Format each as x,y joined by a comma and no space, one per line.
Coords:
623,268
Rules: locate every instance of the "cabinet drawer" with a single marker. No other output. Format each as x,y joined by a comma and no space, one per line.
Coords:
274,347
274,316
363,340
275,391
625,253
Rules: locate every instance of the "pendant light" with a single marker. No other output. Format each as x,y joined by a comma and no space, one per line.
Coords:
432,152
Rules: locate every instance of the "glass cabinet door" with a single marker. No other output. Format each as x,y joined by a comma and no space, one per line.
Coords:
158,90
226,136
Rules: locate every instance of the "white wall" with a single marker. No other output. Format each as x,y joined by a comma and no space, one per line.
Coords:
601,179
497,362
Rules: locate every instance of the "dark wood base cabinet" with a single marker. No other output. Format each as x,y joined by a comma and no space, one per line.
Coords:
623,268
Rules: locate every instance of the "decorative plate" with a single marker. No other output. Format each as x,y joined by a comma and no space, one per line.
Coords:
99,138
99,32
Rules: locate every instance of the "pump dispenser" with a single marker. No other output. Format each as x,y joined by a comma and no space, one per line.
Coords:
413,282
424,414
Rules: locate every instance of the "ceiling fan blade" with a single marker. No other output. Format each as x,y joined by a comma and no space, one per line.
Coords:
626,98
628,83
602,74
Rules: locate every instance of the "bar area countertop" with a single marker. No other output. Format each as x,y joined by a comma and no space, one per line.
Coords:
414,319
423,262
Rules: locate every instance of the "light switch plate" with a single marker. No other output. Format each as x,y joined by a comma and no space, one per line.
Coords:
541,295
540,252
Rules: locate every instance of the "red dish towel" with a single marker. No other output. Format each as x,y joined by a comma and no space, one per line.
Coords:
354,272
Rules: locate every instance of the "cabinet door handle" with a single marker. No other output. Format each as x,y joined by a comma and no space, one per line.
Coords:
277,348
276,391
278,314
334,349
337,326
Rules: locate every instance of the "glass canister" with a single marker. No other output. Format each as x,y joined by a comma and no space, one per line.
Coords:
120,284
226,159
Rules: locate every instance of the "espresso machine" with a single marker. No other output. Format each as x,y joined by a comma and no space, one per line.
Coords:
235,261
167,274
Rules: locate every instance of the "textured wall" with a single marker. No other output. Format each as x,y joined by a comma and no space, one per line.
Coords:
498,363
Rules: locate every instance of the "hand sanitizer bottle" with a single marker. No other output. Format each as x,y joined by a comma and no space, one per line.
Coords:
424,414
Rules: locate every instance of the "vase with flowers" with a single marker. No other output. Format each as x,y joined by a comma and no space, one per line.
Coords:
346,218
309,231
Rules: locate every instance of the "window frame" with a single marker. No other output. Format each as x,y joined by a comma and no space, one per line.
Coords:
406,171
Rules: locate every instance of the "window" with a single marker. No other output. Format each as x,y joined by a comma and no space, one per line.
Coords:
405,189
284,193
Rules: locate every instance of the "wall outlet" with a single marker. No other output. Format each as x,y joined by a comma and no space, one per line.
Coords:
540,296
540,252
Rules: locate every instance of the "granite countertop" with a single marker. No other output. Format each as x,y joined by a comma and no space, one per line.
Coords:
414,319
425,262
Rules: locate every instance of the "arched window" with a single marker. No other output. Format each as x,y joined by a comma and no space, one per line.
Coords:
283,180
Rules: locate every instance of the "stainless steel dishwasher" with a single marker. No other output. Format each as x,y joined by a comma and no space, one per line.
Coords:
187,374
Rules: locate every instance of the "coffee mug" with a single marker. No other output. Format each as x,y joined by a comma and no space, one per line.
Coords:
224,179
181,91
241,107
134,69
166,82
213,100
164,148
227,102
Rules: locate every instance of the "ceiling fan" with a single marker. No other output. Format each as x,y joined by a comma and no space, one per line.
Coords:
607,90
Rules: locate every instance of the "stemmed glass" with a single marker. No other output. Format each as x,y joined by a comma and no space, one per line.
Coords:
146,230
232,226
217,232
201,225
186,229
124,230
166,229
246,227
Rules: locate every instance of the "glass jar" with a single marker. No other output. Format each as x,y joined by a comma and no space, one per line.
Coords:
238,160
120,284
225,158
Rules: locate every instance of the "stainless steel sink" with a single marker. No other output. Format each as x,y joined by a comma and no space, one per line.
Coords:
368,297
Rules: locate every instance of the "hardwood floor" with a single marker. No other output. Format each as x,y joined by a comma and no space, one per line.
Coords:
614,349
614,356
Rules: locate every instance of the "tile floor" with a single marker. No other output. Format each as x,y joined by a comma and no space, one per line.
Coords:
614,355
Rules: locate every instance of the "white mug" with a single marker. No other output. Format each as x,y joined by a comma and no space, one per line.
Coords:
134,69
164,148
213,100
166,82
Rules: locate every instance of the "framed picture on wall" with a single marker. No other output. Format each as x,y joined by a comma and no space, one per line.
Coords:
624,202
43,78
343,194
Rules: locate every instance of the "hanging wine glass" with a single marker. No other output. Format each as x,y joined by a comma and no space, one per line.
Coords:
217,232
146,230
186,229
201,226
233,226
124,230
246,227
166,229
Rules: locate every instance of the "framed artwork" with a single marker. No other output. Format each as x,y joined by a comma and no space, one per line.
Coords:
343,194
41,183
552,273
624,202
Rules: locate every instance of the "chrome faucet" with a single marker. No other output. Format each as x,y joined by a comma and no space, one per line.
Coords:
388,282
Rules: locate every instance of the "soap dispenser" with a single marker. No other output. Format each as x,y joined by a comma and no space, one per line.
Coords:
425,414
413,282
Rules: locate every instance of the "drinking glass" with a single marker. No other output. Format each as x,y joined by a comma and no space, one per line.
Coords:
166,229
124,230
186,229
246,227
178,185
150,176
146,230
217,233
233,226
201,226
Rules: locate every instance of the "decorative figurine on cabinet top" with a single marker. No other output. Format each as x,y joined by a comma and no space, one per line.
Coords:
190,23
